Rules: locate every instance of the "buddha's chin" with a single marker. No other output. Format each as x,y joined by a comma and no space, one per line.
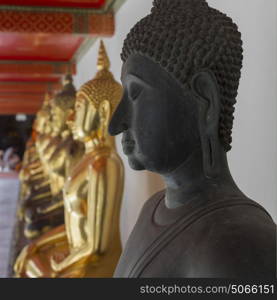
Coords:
135,164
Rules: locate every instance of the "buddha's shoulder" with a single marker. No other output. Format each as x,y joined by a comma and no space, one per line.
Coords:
237,241
242,218
243,213
151,204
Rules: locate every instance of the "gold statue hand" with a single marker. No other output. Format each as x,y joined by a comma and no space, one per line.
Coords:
54,265
50,208
56,235
21,260
71,259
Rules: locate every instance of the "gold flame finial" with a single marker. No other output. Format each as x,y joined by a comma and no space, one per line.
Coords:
103,59
67,79
47,100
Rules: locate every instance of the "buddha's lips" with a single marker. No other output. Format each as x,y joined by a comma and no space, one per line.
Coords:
127,139
128,142
128,145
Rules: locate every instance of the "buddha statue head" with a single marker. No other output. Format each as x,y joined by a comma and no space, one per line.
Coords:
62,105
42,124
181,71
96,102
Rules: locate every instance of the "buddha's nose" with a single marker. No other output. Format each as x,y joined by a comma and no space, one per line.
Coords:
118,122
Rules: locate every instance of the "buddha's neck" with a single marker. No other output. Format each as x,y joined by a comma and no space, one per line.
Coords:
189,182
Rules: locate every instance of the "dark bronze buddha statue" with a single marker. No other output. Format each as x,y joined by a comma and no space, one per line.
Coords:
181,71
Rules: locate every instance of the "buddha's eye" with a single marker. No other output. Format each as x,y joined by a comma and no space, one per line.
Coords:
134,91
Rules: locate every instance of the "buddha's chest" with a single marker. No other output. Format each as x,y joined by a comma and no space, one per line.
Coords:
76,189
159,251
158,255
190,245
79,183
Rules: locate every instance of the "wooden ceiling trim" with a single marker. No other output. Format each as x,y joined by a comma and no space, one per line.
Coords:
33,22
58,48
15,89
105,8
19,106
28,103
101,23
56,35
22,87
29,97
37,68
56,23
56,3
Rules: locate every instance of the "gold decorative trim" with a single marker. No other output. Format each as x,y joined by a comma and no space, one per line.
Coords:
89,41
107,8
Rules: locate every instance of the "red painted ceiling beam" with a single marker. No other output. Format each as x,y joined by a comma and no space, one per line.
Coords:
92,24
36,46
34,71
56,3
25,87
27,108
38,68
20,88
28,104
20,97
30,97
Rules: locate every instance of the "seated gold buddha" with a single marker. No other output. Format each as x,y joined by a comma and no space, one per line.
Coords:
89,243
33,178
48,211
31,164
33,175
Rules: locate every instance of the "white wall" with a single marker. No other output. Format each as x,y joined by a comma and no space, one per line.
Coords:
253,160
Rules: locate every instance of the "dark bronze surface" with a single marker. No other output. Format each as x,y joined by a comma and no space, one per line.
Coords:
202,225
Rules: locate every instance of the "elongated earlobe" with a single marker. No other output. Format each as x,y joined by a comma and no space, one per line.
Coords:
205,90
104,112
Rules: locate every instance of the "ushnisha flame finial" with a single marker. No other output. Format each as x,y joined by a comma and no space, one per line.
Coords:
66,97
103,62
67,79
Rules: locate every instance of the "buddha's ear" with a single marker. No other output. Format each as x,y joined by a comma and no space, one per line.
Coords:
91,117
104,111
205,89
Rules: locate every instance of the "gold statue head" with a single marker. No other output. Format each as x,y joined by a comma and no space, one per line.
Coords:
96,101
62,105
42,124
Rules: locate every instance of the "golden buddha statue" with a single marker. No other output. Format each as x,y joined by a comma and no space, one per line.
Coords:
32,170
33,178
46,137
31,162
44,126
30,151
61,151
29,154
89,243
